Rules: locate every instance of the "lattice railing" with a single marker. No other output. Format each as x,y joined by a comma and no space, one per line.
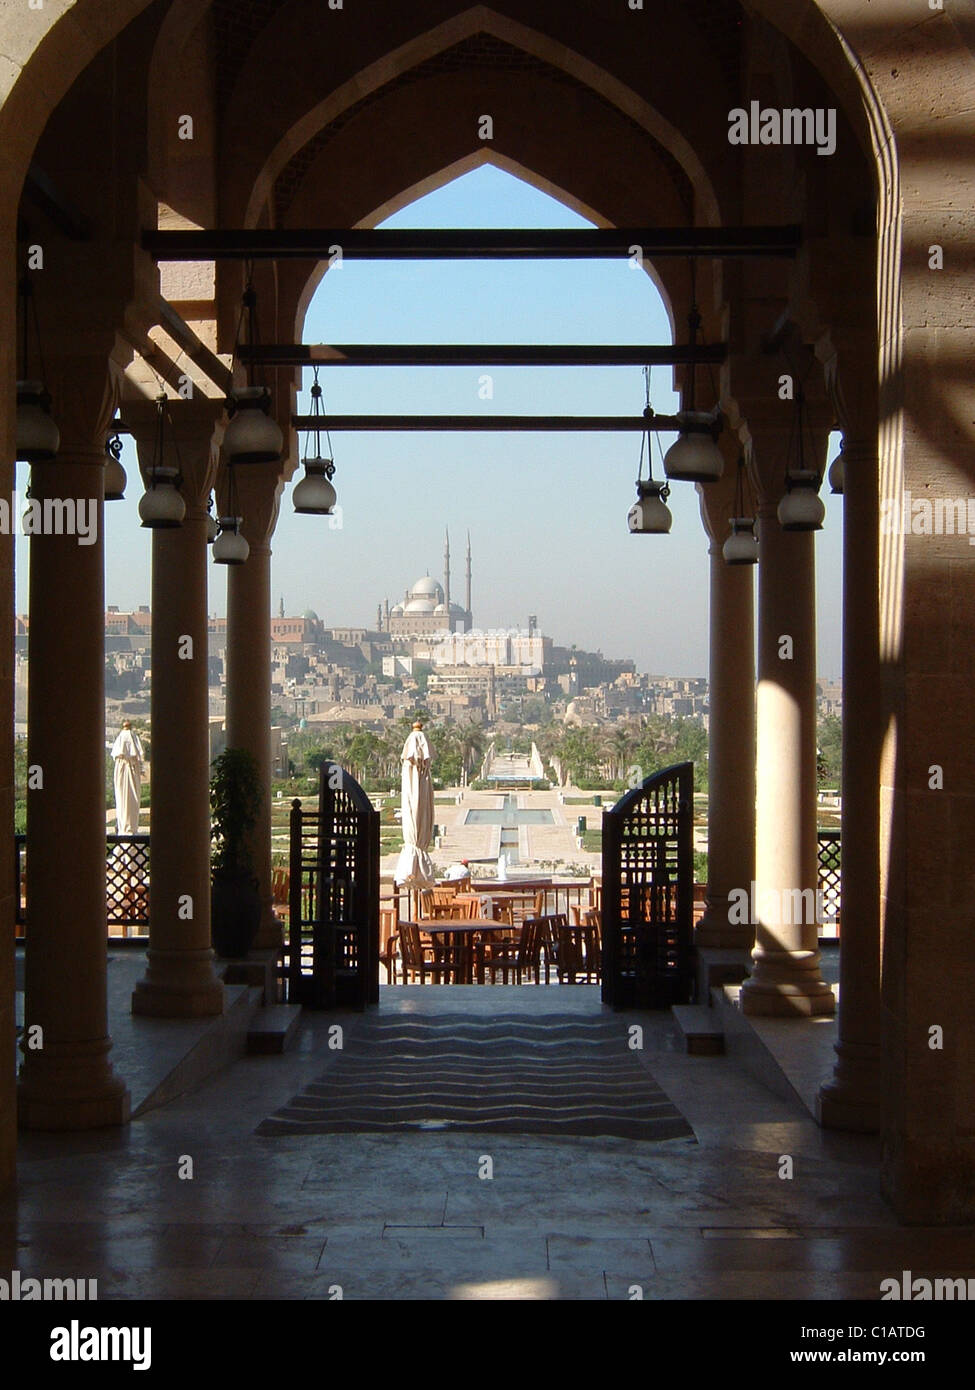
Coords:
126,883
830,876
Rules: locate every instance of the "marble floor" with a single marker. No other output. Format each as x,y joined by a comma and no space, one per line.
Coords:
189,1202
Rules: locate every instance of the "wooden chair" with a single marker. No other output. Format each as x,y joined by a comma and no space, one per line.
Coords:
579,950
416,956
520,956
553,925
388,942
281,892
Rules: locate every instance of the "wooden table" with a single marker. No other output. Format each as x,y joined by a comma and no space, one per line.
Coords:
455,953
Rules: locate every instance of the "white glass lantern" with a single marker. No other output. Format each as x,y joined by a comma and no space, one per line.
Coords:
252,435
741,547
650,515
38,437
162,507
694,457
315,495
115,478
801,509
230,547
837,473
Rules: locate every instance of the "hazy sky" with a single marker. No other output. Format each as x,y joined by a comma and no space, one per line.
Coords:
546,512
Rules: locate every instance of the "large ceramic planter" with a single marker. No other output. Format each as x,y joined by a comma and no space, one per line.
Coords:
235,912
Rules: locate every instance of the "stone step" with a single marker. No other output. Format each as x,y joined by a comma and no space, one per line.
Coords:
273,1029
702,1031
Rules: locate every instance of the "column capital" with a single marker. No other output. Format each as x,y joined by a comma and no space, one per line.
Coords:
719,500
258,488
191,442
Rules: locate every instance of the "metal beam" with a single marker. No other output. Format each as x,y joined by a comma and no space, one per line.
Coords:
484,244
476,355
479,423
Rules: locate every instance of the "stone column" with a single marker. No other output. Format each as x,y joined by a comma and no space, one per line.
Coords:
9,888
851,1099
249,659
180,981
68,1082
786,978
731,722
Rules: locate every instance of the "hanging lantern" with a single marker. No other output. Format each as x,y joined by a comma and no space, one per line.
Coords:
161,506
230,547
252,435
837,472
741,547
38,437
115,479
650,515
801,509
213,530
694,457
315,495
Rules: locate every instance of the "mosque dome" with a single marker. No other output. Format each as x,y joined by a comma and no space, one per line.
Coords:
420,605
427,588
311,616
396,611
441,608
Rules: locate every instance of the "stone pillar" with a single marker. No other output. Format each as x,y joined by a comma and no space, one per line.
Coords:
731,722
180,981
249,659
9,888
851,1099
786,977
68,1082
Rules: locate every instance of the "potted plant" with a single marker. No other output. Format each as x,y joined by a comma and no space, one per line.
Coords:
235,800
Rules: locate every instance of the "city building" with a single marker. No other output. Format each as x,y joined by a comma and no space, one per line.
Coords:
427,608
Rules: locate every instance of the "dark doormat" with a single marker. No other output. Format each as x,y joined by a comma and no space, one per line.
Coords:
548,1074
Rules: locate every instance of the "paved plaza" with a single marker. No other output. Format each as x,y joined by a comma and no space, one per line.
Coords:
419,1213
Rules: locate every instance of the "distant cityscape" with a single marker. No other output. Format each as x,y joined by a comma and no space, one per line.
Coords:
424,649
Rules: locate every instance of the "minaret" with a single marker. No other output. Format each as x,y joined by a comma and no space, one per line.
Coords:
379,617
446,572
281,607
470,615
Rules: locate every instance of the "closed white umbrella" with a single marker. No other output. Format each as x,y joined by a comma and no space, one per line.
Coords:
415,867
129,761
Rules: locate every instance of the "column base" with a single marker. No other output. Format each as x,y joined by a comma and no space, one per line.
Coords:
851,1100
786,984
715,932
178,984
71,1086
270,934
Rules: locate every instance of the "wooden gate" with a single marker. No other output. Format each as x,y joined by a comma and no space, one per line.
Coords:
333,933
648,892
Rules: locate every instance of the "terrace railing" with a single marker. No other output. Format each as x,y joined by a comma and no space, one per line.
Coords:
126,885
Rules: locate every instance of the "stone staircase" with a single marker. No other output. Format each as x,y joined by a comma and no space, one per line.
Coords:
273,1027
